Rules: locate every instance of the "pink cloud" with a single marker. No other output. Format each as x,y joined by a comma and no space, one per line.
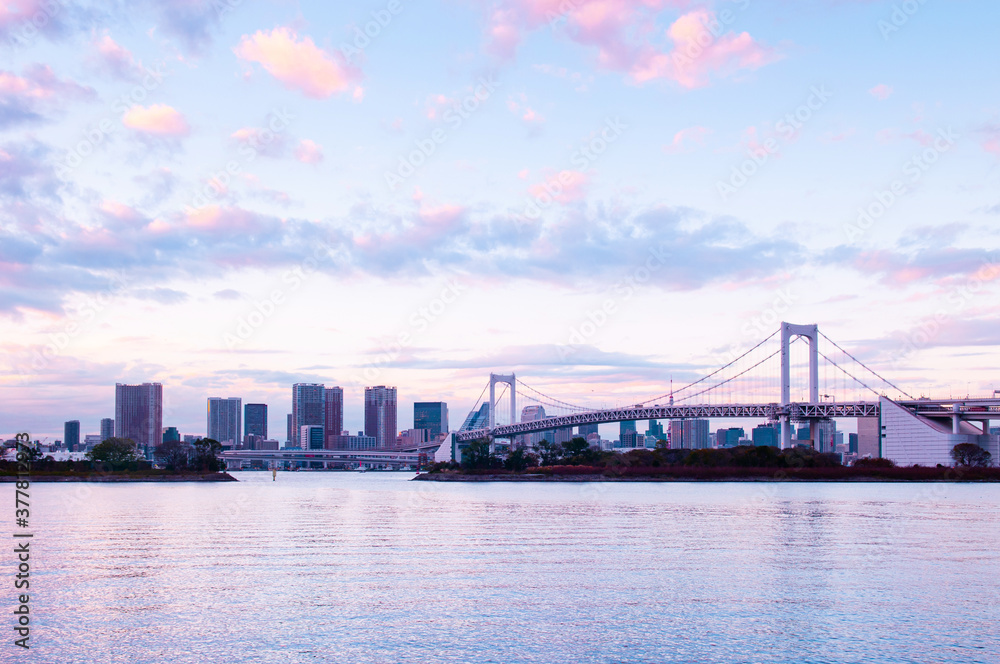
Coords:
697,54
309,152
565,187
881,92
114,57
527,114
158,119
299,64
39,82
623,31
685,137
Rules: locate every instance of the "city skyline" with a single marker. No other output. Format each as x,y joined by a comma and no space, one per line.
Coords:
647,189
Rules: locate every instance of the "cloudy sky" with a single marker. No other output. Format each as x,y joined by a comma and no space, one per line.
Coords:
229,197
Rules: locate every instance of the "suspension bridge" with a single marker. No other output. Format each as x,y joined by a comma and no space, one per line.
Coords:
771,381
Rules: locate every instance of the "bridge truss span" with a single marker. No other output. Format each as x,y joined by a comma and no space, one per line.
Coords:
763,411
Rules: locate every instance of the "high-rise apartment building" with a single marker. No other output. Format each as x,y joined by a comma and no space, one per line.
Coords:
107,429
224,422
71,435
334,411
689,434
139,413
431,415
255,420
308,407
380,415
533,414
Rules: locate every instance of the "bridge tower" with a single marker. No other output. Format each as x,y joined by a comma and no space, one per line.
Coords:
788,332
511,381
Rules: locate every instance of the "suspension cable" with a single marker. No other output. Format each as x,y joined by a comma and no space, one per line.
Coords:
551,398
856,379
674,392
870,370
691,396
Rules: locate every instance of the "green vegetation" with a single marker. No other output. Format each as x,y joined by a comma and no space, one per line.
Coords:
576,458
119,458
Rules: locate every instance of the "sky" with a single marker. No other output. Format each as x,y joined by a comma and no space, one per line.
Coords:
229,197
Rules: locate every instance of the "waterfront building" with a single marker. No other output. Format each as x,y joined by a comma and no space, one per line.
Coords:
139,413
308,407
312,437
107,429
729,437
477,419
290,437
224,421
911,439
431,415
533,414
333,411
71,435
380,414
766,435
689,434
255,419
412,438
348,442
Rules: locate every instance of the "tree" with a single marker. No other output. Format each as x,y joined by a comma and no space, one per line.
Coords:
519,459
206,456
173,454
115,452
549,454
970,455
478,456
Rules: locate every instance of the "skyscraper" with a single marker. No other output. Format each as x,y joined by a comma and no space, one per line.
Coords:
431,415
290,438
139,413
71,435
380,414
255,420
171,434
689,434
334,419
587,429
107,429
625,427
533,414
308,407
224,423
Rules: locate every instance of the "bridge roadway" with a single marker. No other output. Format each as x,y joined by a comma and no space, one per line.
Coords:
969,409
329,458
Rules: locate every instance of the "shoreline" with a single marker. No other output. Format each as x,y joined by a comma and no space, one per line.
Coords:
200,477
680,477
